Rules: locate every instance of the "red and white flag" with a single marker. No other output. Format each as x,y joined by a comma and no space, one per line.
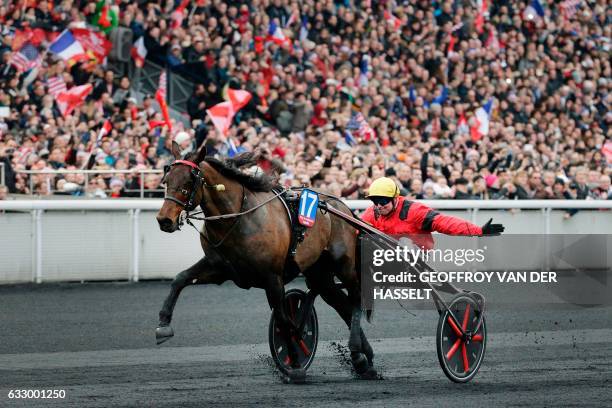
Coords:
391,19
223,113
105,130
139,52
483,12
56,85
71,99
492,40
179,14
162,87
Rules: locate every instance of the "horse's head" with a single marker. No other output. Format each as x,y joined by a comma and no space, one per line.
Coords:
184,180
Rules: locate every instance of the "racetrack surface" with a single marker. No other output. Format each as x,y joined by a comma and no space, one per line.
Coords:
96,341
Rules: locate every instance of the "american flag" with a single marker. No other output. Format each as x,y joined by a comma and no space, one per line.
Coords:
56,85
163,84
570,7
361,127
26,58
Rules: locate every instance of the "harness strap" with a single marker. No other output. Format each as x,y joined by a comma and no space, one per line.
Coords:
238,214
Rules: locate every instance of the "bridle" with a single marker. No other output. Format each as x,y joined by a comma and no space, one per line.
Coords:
189,205
198,179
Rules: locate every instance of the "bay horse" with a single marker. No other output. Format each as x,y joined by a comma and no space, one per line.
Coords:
252,250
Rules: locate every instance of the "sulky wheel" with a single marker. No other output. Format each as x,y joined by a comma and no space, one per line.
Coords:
461,354
306,346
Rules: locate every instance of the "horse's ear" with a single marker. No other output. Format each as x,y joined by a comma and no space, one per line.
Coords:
201,154
176,150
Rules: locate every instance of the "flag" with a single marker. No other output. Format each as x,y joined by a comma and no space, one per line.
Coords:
292,19
533,11
221,116
361,127
105,130
232,150
349,139
160,96
304,29
156,123
363,71
462,125
569,8
223,113
482,118
179,14
391,19
483,10
96,46
412,94
452,40
56,85
162,88
492,40
238,98
74,97
67,47
26,58
139,52
276,35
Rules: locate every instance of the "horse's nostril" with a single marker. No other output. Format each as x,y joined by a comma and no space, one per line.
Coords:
165,223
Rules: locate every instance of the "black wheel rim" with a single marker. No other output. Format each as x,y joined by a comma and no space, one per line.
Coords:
306,346
461,355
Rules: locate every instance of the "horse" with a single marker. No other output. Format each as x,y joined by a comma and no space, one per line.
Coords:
252,248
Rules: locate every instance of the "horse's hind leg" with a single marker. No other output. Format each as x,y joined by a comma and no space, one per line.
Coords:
336,298
202,272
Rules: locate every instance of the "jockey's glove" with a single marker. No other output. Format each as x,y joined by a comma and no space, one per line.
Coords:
492,229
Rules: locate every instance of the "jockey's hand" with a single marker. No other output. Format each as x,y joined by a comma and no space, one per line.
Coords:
492,229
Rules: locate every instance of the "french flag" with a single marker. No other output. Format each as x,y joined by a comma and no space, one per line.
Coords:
67,47
533,11
139,52
276,35
483,117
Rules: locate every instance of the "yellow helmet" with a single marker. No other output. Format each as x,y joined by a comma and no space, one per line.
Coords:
383,187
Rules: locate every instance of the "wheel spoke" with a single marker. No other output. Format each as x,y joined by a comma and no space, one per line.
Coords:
453,325
466,364
304,348
477,337
287,361
466,315
453,349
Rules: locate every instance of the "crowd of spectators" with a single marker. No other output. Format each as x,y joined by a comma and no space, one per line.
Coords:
430,66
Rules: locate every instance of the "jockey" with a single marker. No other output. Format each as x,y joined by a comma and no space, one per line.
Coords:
395,215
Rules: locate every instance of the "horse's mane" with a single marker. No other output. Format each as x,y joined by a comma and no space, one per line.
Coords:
232,168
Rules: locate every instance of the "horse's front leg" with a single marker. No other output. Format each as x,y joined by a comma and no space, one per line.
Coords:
202,272
275,293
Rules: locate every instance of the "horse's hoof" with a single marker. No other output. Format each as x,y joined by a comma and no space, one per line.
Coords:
360,362
369,374
296,376
163,334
